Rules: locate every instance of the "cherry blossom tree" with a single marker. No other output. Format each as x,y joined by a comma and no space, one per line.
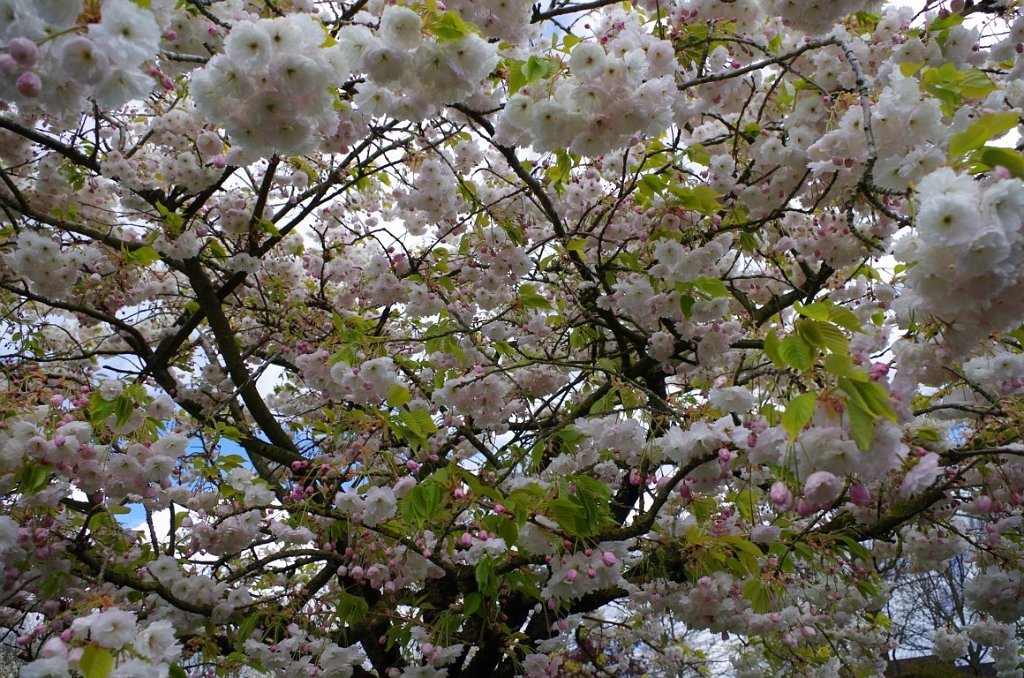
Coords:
350,338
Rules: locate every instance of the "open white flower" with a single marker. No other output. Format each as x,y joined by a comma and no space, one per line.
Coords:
948,220
158,643
111,628
400,27
127,33
248,45
732,399
587,60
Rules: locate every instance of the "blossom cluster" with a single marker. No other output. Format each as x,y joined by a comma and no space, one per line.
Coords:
620,86
964,256
50,65
270,86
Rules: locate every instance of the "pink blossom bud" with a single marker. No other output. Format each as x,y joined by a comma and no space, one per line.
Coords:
781,496
8,66
805,508
591,573
571,575
983,504
29,84
24,51
56,401
499,508
859,495
609,558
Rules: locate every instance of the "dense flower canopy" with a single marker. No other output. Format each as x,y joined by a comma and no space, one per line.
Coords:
488,337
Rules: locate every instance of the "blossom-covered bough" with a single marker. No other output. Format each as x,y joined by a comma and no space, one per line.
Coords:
489,338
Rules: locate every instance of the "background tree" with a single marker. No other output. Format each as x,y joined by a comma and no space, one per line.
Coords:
464,339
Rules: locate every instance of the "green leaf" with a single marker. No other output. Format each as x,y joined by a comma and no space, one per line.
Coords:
124,407
423,503
176,671
712,287
538,68
32,478
516,76
835,340
653,183
530,298
686,303
975,83
1002,157
95,662
350,609
808,329
871,397
844,317
842,366
560,171
865,402
702,198
943,23
854,548
759,593
796,352
418,421
246,628
471,603
823,335
699,154
591,487
798,413
449,27
567,513
486,577
862,424
772,349
143,256
398,395
981,130
908,68
819,310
